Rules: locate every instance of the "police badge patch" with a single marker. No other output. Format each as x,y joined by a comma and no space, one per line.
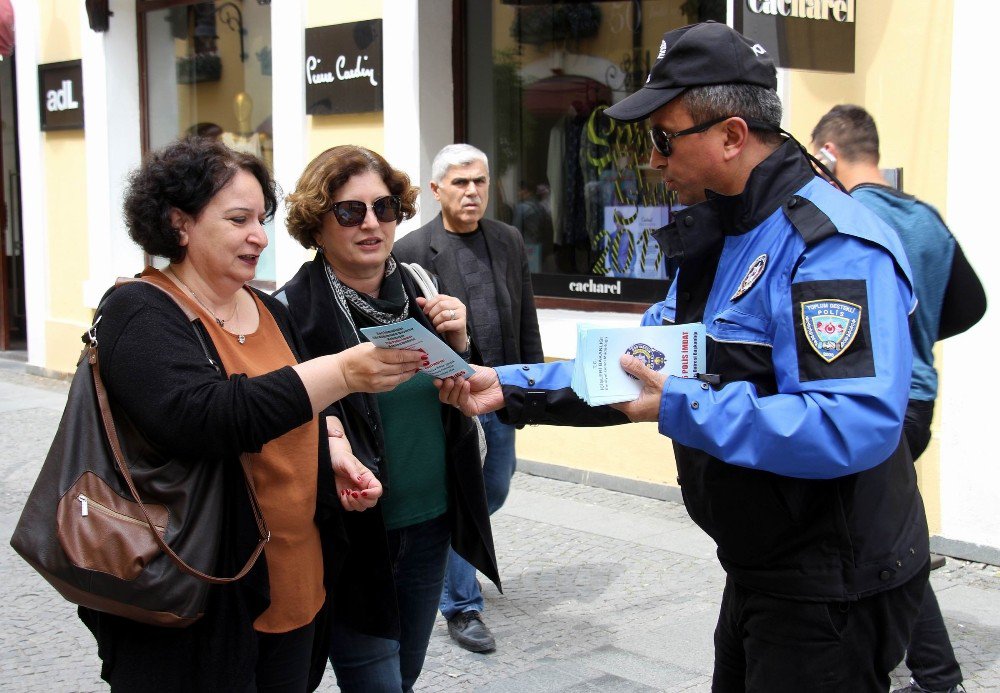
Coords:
832,335
751,277
650,357
830,325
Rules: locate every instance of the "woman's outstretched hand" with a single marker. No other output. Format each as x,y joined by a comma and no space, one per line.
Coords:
369,369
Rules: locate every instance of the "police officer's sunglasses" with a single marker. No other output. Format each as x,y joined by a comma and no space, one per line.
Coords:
661,138
352,212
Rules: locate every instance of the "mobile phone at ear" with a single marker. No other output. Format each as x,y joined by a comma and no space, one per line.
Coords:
828,159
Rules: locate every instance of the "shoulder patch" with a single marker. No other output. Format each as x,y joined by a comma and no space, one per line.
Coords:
809,220
832,335
751,277
830,326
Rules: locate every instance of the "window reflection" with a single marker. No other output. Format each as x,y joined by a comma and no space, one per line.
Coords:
208,72
574,182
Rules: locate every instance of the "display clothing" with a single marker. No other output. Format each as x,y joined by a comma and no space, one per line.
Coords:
362,601
790,456
157,375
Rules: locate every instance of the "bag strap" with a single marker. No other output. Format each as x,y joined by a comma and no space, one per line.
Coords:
113,440
423,279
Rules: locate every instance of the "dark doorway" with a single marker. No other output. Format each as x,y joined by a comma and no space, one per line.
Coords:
13,325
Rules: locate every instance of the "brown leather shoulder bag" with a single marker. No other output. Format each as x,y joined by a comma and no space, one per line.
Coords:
116,525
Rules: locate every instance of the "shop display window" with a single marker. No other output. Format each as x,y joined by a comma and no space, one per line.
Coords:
206,70
537,78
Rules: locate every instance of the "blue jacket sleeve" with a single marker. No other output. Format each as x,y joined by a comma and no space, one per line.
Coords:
540,393
814,427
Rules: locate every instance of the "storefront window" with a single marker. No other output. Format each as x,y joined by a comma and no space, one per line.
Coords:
207,71
575,183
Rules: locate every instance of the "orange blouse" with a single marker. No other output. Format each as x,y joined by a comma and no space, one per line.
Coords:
284,472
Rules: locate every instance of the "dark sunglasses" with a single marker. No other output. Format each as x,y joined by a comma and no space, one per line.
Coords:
661,138
352,212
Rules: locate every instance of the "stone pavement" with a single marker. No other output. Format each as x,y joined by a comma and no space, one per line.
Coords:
603,591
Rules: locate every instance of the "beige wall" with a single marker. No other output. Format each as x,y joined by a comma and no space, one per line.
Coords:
363,129
65,201
902,77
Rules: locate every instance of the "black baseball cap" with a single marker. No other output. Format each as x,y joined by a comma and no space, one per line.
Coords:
695,56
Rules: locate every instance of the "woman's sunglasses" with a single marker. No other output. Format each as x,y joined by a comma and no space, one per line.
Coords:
352,212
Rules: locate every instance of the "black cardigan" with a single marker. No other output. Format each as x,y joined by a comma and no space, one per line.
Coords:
364,588
157,373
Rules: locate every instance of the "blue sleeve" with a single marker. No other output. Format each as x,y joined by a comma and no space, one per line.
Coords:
826,420
663,312
537,376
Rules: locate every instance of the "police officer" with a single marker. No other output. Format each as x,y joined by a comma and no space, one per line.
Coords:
789,453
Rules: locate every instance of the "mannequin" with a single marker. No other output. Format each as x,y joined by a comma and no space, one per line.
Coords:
245,139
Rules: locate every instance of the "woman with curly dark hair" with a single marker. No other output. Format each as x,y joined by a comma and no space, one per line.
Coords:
347,205
203,206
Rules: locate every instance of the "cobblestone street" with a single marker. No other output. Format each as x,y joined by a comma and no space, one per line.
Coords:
603,591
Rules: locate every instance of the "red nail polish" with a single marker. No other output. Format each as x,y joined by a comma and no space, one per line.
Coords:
354,494
364,493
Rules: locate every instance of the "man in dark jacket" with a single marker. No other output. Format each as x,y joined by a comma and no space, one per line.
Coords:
789,449
951,300
484,264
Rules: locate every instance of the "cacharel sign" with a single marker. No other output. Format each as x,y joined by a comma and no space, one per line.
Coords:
801,34
598,287
836,10
343,68
592,287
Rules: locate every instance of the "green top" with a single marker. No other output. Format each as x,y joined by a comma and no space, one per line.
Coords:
414,453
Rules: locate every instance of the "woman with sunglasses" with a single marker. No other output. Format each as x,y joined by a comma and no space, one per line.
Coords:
425,455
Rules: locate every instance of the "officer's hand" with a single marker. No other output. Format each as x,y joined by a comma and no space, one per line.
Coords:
647,406
480,394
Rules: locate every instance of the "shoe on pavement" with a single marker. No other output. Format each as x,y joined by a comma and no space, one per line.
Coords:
937,561
915,687
469,631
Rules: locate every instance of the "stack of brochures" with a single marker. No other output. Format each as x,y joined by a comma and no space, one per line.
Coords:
599,379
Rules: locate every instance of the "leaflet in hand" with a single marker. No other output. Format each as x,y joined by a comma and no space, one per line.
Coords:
410,334
670,349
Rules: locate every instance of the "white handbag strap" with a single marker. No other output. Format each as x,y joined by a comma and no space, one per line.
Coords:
426,283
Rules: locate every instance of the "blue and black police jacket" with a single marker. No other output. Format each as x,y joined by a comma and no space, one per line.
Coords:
789,450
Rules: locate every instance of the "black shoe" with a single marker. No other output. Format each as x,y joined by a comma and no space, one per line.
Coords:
469,631
937,561
914,687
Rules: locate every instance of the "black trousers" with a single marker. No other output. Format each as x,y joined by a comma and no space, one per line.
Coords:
283,660
929,657
767,644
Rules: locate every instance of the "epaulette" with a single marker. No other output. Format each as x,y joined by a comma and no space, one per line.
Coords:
809,220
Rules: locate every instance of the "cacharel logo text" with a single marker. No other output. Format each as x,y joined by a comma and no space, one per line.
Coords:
314,76
592,287
837,10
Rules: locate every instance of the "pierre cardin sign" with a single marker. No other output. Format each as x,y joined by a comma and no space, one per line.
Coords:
801,34
343,68
60,94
